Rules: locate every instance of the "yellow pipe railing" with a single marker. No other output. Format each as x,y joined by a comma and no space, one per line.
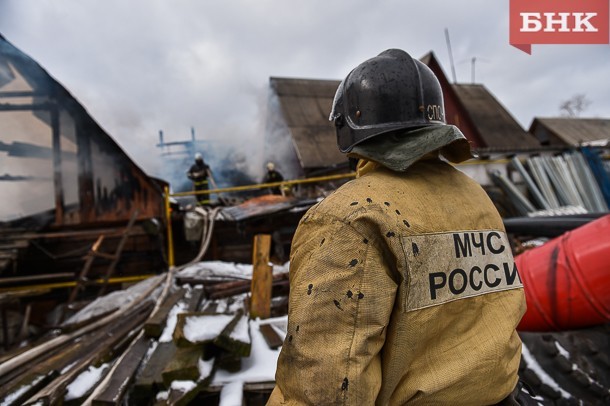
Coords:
60,285
266,185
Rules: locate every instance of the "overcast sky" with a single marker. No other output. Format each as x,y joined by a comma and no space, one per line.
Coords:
140,66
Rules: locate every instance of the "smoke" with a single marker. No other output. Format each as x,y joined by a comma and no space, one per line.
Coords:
234,153
278,146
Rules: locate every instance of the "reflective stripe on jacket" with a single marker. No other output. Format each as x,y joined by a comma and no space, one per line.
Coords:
402,290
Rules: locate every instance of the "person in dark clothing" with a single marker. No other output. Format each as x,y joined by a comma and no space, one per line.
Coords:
199,173
271,176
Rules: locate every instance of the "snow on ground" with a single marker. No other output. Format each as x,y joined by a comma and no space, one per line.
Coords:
205,368
198,329
170,324
85,382
10,399
224,270
217,269
183,386
240,332
260,365
115,300
232,394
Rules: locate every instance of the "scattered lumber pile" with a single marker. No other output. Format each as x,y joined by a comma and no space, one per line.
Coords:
174,339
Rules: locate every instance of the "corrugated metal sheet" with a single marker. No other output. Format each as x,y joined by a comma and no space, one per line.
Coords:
570,131
496,127
264,205
306,105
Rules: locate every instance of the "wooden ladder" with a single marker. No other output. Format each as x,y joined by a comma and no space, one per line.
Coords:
94,252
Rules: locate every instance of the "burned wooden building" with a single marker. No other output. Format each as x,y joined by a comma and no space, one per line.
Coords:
66,183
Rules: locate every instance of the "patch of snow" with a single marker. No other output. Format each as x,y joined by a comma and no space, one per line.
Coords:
279,324
11,398
115,300
183,386
260,366
279,269
237,304
541,373
149,352
204,328
217,270
85,381
163,395
240,332
172,319
222,306
232,394
205,368
67,368
562,350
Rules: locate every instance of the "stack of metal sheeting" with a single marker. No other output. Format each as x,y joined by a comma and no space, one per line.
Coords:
567,180
558,185
519,201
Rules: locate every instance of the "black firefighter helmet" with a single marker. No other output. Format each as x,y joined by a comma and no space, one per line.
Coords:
389,92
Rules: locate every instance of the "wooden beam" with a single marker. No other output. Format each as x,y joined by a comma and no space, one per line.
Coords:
184,366
262,279
119,382
230,341
150,378
271,337
155,325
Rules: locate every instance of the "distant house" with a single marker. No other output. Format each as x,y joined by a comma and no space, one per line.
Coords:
480,116
571,131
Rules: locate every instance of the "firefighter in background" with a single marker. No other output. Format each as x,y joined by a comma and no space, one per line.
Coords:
199,173
271,176
403,288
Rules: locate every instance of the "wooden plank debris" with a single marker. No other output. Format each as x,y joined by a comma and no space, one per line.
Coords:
155,325
220,290
150,379
184,366
182,340
272,338
193,299
23,392
235,337
98,347
119,382
182,396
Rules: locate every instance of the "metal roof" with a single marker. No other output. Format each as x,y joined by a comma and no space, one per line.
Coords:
574,131
306,105
494,124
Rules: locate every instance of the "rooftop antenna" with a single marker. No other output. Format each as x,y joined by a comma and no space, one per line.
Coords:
473,61
450,55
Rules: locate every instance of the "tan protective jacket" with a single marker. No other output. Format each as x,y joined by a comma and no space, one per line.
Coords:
402,290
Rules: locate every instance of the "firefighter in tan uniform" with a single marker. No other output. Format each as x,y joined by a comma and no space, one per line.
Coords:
403,287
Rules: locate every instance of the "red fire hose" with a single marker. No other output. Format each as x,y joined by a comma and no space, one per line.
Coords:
567,280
